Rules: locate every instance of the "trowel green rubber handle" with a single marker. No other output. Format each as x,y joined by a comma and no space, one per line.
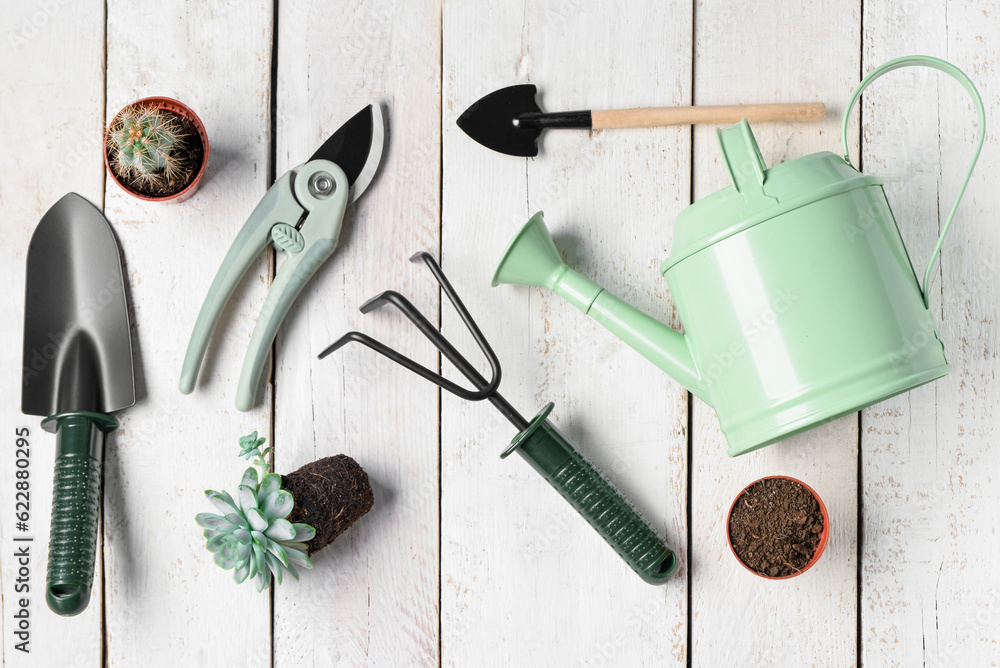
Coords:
76,496
621,525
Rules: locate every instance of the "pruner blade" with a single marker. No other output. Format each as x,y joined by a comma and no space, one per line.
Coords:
356,147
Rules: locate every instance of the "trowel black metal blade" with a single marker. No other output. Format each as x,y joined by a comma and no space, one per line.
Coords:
510,121
77,344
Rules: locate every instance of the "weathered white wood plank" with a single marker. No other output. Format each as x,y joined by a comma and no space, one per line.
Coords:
525,581
930,583
752,53
372,598
51,117
165,597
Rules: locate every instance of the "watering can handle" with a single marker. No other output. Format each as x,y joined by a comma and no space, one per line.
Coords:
962,78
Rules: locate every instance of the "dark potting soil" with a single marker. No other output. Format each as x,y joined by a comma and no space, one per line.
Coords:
330,494
775,527
191,150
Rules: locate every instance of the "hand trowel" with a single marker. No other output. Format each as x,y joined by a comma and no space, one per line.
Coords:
510,120
77,370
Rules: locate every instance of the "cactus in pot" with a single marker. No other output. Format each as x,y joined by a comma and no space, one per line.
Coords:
147,145
156,149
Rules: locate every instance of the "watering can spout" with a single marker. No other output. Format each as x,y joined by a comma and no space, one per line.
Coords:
532,259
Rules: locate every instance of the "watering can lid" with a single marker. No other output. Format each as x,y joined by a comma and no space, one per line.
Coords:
757,193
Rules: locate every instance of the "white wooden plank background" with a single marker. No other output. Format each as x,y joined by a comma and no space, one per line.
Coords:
467,559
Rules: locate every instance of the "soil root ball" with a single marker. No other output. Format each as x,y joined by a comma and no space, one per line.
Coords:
330,494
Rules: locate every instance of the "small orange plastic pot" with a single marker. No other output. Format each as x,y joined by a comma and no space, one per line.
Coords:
182,110
824,536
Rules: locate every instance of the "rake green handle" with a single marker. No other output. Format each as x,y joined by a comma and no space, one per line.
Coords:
76,496
621,525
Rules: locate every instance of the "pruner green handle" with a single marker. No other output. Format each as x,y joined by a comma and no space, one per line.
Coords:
76,497
318,190
621,525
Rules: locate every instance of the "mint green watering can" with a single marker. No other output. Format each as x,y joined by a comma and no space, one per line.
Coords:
798,298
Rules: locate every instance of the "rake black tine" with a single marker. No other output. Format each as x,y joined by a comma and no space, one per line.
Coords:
402,360
463,312
498,401
449,351
430,331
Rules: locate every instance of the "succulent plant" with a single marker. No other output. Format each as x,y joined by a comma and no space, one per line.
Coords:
146,145
251,535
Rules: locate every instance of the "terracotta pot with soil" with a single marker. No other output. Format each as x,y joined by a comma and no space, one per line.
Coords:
777,527
156,149
274,523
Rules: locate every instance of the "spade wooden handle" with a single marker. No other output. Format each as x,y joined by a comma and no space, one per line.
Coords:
754,113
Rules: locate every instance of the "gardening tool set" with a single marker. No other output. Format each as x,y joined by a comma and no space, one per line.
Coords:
799,301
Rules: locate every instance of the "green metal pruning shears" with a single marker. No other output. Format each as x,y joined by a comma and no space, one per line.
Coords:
301,214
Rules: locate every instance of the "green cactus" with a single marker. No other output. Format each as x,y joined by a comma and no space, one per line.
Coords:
146,146
252,535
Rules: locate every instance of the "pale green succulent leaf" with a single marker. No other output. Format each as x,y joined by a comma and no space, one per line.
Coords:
291,571
231,551
222,561
292,545
269,485
275,566
222,501
242,572
213,521
303,532
248,499
278,505
258,555
250,444
216,543
278,551
250,478
280,529
263,579
297,558
238,520
256,520
242,536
